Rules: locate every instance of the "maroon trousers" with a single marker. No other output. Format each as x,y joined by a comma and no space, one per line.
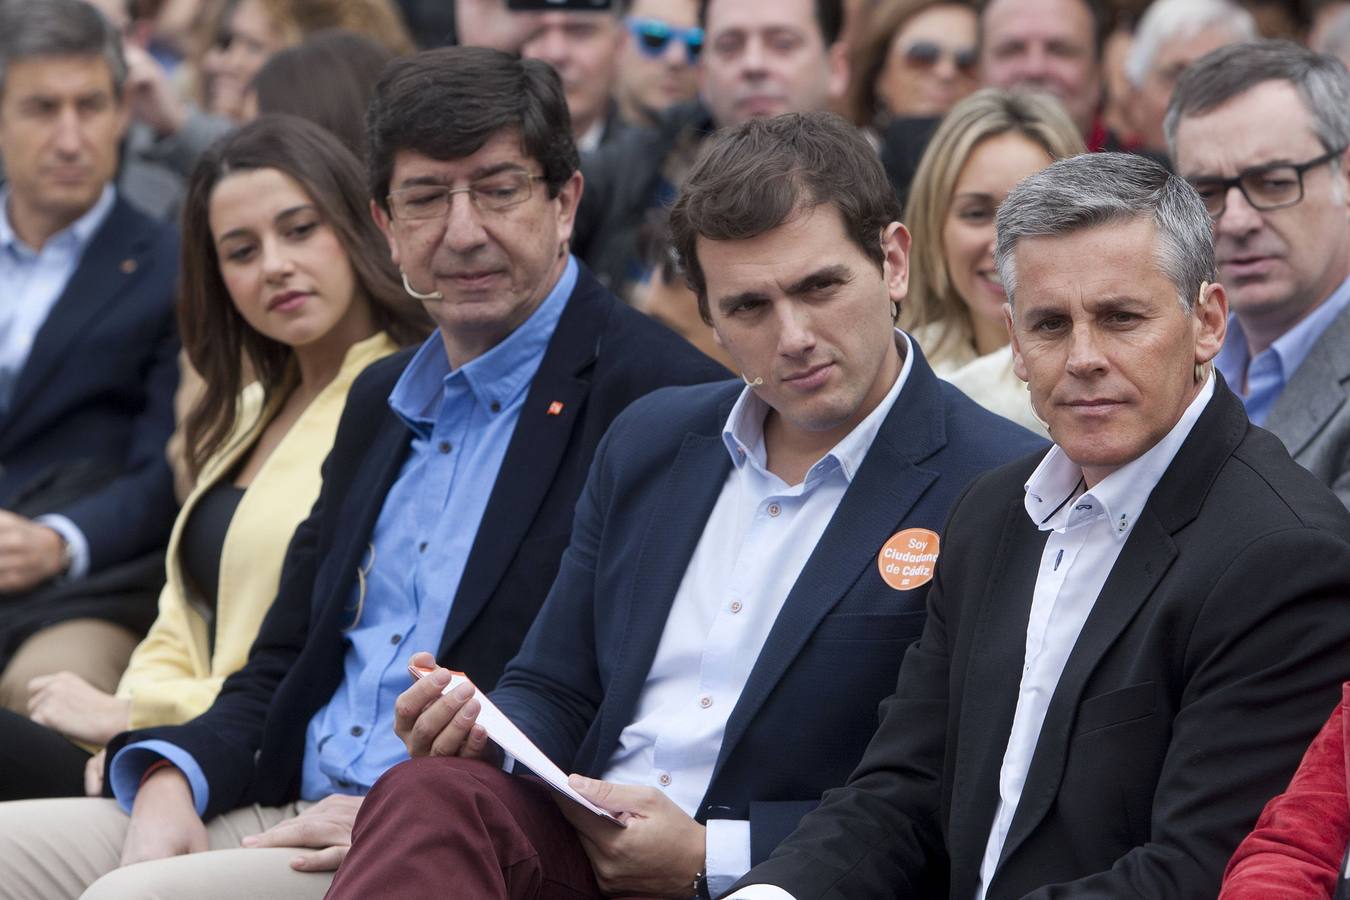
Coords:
462,829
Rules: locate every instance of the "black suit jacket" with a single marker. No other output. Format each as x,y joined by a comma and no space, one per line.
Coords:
809,705
602,355
94,400
1207,664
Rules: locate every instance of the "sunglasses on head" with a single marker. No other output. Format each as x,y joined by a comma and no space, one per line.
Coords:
653,36
925,55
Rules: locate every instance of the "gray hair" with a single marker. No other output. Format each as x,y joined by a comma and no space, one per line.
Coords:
1321,81
30,28
1168,20
1095,189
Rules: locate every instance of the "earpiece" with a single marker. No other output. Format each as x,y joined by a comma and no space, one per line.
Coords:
756,383
434,295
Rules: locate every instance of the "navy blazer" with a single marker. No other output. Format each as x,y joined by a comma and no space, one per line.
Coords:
97,391
601,357
810,703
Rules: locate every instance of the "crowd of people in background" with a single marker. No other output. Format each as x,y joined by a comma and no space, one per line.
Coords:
878,448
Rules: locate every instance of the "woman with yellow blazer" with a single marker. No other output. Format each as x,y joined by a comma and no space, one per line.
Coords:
282,268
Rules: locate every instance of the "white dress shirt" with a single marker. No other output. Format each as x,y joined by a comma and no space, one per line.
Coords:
756,542
1087,532
31,283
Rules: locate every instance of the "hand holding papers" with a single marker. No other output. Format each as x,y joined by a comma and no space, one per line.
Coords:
513,741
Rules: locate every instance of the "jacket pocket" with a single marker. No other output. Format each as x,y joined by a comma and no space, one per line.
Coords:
1125,704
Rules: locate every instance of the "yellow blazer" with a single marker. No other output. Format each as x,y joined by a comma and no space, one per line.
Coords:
172,677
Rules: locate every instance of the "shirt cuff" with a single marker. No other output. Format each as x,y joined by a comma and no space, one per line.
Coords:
130,763
75,540
760,892
728,853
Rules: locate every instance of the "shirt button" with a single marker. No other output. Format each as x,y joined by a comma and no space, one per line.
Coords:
357,731
495,406
705,701
444,446
395,638
422,547
736,606
664,779
774,509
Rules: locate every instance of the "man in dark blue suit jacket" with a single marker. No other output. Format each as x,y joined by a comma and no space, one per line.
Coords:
88,360
748,564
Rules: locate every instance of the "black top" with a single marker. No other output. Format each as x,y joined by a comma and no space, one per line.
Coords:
202,543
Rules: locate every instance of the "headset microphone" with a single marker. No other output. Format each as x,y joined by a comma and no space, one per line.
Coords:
434,295
756,383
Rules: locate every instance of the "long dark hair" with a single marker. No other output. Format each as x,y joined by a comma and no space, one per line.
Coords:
215,336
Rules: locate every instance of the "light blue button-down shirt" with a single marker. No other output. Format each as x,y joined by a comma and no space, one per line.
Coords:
1270,371
31,282
754,545
461,423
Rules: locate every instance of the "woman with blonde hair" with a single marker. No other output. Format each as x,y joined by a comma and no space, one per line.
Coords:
987,143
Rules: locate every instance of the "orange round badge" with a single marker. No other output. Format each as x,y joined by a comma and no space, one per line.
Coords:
906,561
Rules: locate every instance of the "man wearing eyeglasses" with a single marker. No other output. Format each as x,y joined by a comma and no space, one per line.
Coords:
658,67
447,501
1261,131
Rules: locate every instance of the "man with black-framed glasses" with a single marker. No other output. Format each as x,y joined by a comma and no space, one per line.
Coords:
1261,130
446,504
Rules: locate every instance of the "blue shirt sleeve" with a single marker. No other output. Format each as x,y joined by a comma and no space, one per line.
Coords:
130,763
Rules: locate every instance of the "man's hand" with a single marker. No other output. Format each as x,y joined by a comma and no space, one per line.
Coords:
93,774
326,826
150,96
67,703
434,724
29,553
164,821
658,855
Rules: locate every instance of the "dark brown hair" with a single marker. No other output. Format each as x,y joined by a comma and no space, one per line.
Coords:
215,336
447,103
757,176
829,18
328,78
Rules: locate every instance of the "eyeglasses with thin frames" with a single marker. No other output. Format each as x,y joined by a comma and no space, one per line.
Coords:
1265,187
492,193
652,36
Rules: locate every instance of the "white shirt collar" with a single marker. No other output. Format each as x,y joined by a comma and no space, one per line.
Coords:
743,433
1051,491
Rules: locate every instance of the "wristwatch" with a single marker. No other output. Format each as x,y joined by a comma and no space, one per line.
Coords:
700,887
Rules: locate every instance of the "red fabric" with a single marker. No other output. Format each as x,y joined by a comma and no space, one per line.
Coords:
464,829
1298,844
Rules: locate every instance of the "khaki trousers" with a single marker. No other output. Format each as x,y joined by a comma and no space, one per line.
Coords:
95,650
69,848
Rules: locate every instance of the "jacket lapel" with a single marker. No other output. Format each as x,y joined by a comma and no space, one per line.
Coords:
673,530
989,690
109,266
1148,553
1316,391
541,437
884,490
